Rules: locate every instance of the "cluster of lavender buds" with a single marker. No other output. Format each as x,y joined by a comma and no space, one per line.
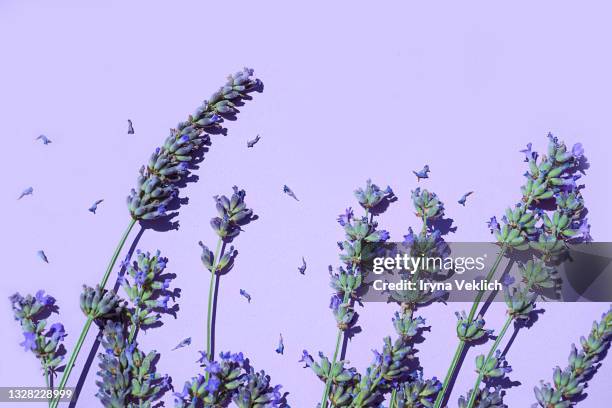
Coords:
469,330
550,177
101,304
256,391
159,180
127,375
149,291
418,393
45,343
391,366
233,213
372,196
488,397
229,379
427,205
568,383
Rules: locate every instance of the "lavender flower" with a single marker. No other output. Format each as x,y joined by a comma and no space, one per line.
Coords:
217,388
253,142
233,213
280,349
302,268
569,382
256,391
244,294
370,196
427,205
44,139
41,254
28,191
100,303
46,345
149,293
470,330
183,343
488,397
287,190
346,217
422,174
94,206
127,375
158,181
418,392
464,198
130,130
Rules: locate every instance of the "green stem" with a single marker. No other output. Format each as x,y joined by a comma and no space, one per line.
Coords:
211,295
491,352
392,402
81,339
449,373
339,338
48,383
73,356
462,343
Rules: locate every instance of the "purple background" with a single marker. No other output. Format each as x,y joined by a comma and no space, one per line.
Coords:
352,91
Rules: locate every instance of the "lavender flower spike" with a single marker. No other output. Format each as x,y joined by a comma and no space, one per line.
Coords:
46,345
169,164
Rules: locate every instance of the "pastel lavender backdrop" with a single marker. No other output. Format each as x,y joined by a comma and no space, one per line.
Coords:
352,90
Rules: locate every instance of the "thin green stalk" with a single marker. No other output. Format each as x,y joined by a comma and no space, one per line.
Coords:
48,383
73,356
462,344
491,352
81,339
392,402
211,295
449,373
339,337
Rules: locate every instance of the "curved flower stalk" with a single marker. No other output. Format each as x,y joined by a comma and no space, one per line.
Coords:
391,365
346,282
45,343
569,383
127,375
230,378
167,169
550,177
232,214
